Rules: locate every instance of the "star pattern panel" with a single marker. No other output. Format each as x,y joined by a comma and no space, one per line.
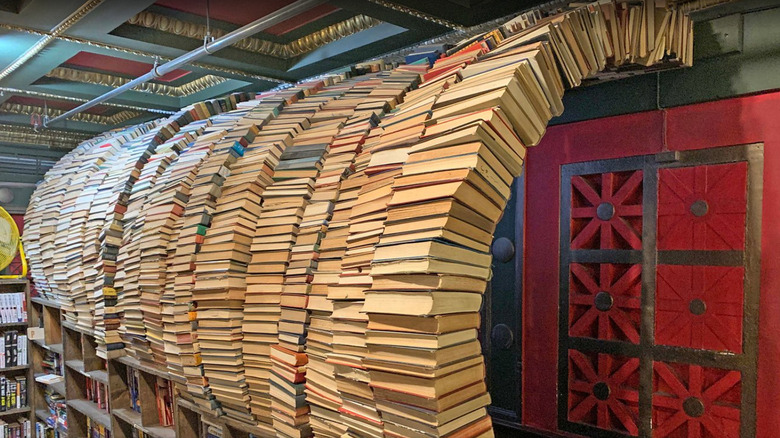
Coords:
606,211
702,207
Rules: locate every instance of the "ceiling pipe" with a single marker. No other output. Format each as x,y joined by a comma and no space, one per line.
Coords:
208,48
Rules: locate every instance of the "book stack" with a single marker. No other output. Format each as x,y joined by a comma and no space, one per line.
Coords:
270,247
277,228
41,217
345,157
432,260
163,210
13,393
13,349
129,259
69,242
287,378
184,358
388,151
222,262
192,226
131,190
102,296
43,214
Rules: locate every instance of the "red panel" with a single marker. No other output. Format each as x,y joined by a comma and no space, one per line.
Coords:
699,307
127,67
702,207
604,301
721,123
691,401
606,211
635,134
239,12
19,219
604,391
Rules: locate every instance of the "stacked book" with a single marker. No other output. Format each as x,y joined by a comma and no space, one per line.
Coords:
181,252
287,371
108,224
338,185
182,346
366,217
270,248
41,219
129,260
69,241
126,173
163,211
432,261
222,260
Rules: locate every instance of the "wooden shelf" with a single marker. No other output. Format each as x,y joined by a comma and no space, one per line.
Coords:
57,348
13,324
16,368
58,387
258,430
91,410
45,302
17,411
75,327
97,375
43,415
141,366
134,419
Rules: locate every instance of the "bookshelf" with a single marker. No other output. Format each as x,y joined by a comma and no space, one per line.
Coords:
144,386
47,401
75,349
16,374
86,384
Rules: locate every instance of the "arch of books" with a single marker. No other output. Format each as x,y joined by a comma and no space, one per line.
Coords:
312,260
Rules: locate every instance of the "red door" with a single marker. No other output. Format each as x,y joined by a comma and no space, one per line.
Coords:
658,292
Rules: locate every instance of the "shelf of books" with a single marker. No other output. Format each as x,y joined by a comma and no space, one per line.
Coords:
142,399
86,383
15,371
46,355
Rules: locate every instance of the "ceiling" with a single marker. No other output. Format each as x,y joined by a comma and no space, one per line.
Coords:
106,43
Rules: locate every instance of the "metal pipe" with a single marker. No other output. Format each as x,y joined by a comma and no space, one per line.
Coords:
252,28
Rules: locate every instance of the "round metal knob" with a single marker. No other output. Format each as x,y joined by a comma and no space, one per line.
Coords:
693,407
700,208
605,211
502,336
503,249
601,391
603,301
697,306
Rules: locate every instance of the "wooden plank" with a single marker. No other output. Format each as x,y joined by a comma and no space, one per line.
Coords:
134,418
46,303
17,411
147,368
92,411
